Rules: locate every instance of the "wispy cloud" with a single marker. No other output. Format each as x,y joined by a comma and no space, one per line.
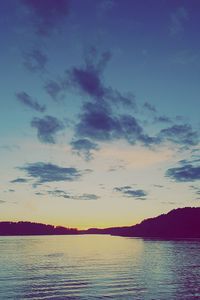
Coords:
88,79
19,180
27,100
35,60
56,88
178,19
180,134
67,195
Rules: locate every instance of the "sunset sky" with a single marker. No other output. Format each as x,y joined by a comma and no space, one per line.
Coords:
100,104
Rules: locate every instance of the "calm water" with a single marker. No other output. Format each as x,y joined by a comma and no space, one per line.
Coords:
98,267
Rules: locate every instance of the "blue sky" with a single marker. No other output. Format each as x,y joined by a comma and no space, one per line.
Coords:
99,110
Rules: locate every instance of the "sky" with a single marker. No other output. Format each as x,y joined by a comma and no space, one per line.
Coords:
99,115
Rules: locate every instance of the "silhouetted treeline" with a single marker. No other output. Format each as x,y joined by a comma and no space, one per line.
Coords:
28,228
178,223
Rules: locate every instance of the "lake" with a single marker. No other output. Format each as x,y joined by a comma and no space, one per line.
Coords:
98,267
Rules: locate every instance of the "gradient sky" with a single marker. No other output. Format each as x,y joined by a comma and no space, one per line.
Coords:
99,110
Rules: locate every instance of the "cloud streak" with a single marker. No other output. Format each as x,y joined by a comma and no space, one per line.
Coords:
128,191
19,180
63,194
28,101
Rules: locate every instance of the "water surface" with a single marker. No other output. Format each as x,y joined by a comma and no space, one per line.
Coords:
98,267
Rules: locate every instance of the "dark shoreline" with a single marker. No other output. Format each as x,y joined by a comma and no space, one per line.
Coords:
181,223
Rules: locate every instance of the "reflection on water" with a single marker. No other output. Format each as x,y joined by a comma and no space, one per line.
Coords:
98,267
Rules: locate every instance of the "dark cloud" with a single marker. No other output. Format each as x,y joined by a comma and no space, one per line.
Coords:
180,134
128,191
47,172
186,172
35,60
46,14
19,180
84,148
98,122
47,128
11,190
88,79
27,100
2,201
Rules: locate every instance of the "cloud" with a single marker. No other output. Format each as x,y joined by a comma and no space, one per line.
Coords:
47,172
10,147
35,60
105,6
27,100
148,106
45,15
128,191
87,197
158,185
88,80
180,134
59,193
55,89
186,172
63,194
84,148
47,128
19,180
178,20
195,189
39,194
2,201
98,122
162,119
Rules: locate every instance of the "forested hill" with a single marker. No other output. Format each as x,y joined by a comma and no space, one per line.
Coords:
28,228
178,223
